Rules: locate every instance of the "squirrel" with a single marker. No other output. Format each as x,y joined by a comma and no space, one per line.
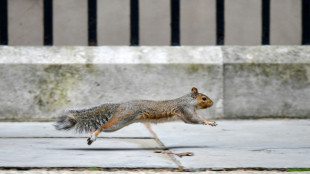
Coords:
114,116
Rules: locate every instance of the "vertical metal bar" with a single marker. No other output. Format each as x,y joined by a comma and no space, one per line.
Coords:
92,22
220,24
134,22
3,22
175,22
48,22
306,22
265,22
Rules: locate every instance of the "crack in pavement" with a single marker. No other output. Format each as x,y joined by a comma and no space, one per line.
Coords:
162,145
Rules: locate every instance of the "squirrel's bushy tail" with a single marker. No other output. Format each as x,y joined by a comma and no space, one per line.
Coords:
65,123
86,120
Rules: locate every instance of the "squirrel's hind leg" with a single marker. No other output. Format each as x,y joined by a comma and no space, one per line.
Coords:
118,120
94,135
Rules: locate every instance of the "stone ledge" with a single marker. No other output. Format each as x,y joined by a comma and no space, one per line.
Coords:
266,54
244,82
110,55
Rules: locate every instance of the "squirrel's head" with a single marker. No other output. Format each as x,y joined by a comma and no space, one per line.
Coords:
203,100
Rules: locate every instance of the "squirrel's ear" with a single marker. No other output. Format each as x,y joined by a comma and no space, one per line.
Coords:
194,92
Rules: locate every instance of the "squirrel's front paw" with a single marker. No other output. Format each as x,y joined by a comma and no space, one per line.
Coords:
211,123
91,139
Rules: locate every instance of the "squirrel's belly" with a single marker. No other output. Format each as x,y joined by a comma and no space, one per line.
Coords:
158,118
161,120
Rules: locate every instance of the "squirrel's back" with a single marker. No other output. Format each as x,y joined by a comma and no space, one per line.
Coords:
156,111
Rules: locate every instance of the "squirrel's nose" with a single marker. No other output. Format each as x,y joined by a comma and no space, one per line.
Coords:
210,103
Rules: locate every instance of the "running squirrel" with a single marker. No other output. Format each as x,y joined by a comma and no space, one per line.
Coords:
114,116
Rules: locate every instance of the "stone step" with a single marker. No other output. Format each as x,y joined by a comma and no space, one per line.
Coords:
243,81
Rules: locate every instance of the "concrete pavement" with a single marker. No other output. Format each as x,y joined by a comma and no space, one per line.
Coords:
232,145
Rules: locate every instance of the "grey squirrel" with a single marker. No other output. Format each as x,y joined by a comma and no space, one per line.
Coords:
114,116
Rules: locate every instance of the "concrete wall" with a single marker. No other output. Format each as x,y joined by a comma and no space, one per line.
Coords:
118,32
25,22
285,25
243,22
244,82
266,82
70,26
197,22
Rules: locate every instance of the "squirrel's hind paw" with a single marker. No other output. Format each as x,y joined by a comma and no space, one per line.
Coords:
91,139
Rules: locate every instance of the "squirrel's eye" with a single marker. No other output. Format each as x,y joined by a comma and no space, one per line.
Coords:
204,98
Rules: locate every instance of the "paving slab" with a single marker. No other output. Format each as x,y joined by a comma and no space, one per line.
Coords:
240,144
74,152
271,144
222,158
46,129
255,134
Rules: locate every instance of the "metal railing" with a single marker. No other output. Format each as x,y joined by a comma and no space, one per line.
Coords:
134,22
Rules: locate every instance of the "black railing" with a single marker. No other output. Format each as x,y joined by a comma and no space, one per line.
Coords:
3,22
220,29
48,22
265,21
306,22
175,22
92,22
134,22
